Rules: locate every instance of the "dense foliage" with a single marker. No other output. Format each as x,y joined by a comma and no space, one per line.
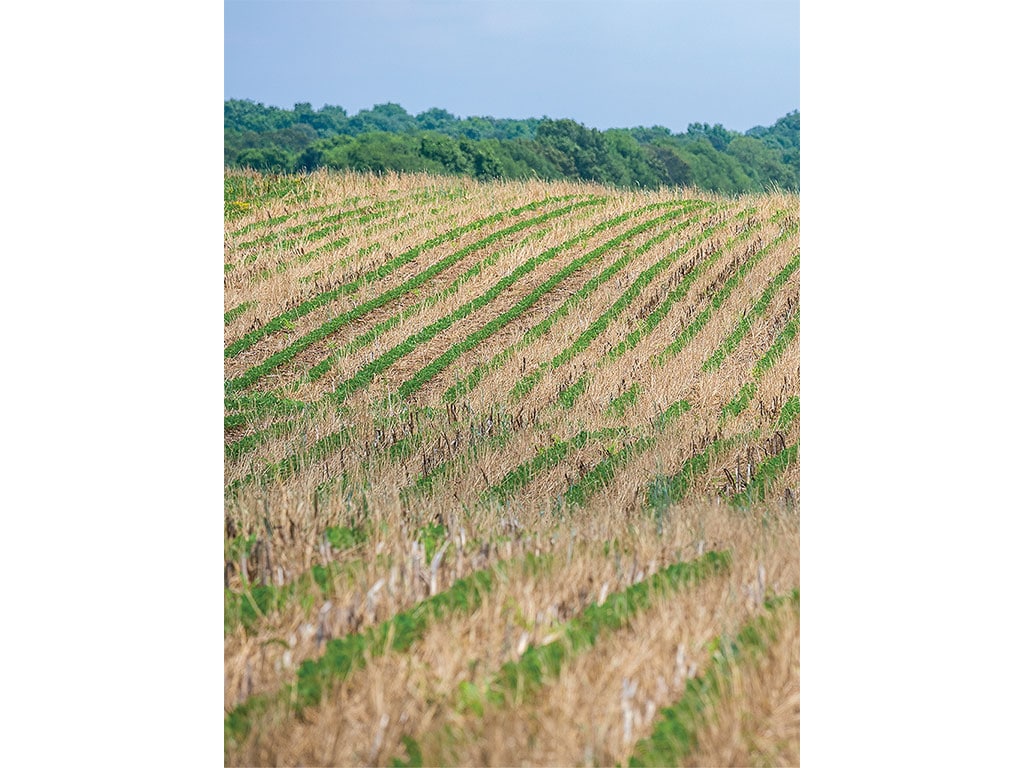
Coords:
436,141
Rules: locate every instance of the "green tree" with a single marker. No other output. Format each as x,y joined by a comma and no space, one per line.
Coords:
333,152
249,116
714,170
484,162
329,121
762,163
674,169
446,151
387,137
266,159
381,152
440,120
294,138
784,134
388,118
716,134
579,152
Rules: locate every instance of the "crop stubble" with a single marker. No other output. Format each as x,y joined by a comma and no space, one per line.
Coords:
415,473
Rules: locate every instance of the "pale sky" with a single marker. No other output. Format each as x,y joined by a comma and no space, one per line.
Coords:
604,64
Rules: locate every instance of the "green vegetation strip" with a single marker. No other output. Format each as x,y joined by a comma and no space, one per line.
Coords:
366,374
234,312
235,450
424,224
305,257
274,221
764,475
738,404
281,242
327,225
326,329
426,482
430,370
675,734
304,237
252,441
309,255
790,410
252,604
250,409
619,405
341,210
525,384
279,322
365,250
547,458
464,386
262,400
291,465
661,311
568,396
743,327
664,491
601,475
687,334
385,325
518,680
242,193
346,654
781,342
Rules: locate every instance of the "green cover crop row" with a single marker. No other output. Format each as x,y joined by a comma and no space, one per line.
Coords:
435,366
525,384
571,392
274,221
331,326
286,238
366,374
467,384
675,733
661,311
764,475
547,458
743,327
303,309
738,404
517,681
385,325
345,654
691,330
665,491
600,476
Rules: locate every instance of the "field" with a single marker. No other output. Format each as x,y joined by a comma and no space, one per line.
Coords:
511,473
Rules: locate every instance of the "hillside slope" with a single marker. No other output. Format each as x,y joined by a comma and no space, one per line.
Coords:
511,473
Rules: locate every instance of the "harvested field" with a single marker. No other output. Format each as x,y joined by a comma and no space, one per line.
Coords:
511,474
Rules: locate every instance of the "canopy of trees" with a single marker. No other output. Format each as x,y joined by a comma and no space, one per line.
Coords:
389,138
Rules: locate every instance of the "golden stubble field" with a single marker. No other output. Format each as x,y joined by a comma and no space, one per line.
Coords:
511,473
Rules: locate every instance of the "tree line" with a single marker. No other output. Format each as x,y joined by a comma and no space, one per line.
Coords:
435,141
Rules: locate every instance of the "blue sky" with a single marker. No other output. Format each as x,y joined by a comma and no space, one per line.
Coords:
604,64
